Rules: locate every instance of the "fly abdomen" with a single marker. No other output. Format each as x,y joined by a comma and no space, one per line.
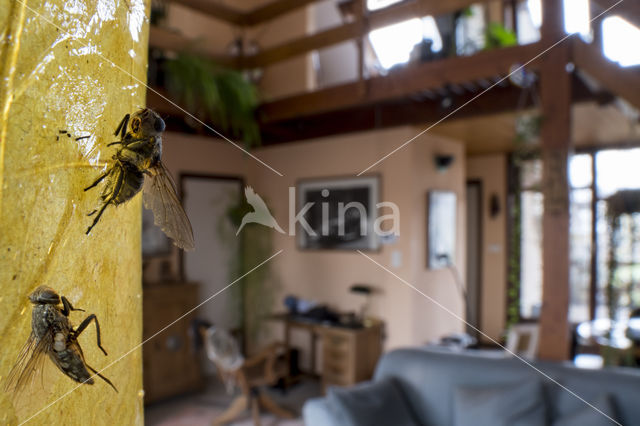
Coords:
71,362
132,182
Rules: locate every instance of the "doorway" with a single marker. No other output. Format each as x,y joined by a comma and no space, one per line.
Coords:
208,200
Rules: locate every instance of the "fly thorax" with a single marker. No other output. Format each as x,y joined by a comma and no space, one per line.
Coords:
156,154
157,149
41,319
59,342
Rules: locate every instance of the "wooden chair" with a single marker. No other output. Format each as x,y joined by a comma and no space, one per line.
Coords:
263,369
522,340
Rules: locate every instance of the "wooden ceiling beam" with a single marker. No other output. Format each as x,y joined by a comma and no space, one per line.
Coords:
629,10
274,9
215,10
303,45
414,110
257,16
414,78
162,38
376,19
623,82
406,112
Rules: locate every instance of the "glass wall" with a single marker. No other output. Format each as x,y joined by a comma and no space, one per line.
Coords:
589,254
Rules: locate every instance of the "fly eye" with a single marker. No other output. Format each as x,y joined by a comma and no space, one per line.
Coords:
135,124
159,125
45,296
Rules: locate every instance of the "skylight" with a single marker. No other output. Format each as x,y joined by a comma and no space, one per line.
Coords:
379,4
621,40
577,17
393,44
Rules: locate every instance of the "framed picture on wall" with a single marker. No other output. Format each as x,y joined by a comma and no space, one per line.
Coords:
340,213
441,229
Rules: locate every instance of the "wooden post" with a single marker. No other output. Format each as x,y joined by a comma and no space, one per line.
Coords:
555,83
495,11
361,17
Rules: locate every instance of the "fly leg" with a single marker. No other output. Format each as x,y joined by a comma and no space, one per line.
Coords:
101,376
67,307
84,324
99,179
97,218
114,194
122,127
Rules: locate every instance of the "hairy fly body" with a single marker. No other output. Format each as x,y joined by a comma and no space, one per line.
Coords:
52,335
136,166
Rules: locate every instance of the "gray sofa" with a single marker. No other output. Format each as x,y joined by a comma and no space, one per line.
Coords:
426,387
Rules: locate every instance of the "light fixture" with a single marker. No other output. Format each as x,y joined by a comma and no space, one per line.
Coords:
443,161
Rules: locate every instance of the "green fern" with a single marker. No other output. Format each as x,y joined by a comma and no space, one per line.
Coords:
216,94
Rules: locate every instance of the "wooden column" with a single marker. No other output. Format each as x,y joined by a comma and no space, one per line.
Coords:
361,17
555,89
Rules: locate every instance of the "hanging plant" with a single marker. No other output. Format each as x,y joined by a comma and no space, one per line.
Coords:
216,94
497,36
515,261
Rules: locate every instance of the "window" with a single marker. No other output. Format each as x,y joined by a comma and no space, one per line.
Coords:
580,240
531,207
620,40
615,169
589,253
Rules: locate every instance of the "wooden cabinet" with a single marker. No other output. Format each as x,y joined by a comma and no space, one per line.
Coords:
349,355
170,364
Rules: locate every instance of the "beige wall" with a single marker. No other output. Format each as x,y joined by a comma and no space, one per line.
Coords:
431,321
288,77
203,29
406,176
325,276
491,170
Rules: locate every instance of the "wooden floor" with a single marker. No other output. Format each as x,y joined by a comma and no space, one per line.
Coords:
202,408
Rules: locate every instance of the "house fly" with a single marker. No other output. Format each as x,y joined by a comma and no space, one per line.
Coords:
137,166
53,335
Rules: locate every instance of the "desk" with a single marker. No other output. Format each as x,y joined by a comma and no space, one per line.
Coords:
349,355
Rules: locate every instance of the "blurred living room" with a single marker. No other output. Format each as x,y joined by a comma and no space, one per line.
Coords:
497,145
404,212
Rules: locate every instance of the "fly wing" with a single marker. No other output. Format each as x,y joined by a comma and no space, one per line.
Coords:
159,194
28,363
